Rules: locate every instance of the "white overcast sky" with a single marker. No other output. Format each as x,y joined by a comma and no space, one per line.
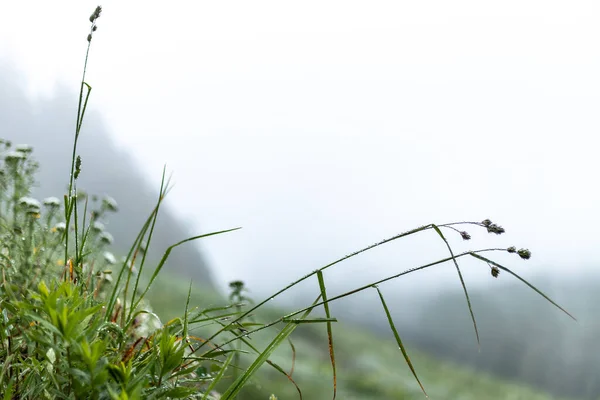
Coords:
324,126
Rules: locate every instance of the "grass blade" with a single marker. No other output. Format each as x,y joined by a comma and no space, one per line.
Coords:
524,281
219,376
164,189
138,240
309,321
398,340
293,356
289,376
186,315
329,333
462,282
271,363
166,256
237,386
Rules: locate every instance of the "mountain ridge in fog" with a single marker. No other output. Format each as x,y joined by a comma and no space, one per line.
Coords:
48,125
523,337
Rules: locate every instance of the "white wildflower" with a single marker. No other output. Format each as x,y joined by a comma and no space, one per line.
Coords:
51,202
109,257
23,148
110,203
30,203
14,156
106,275
106,237
98,226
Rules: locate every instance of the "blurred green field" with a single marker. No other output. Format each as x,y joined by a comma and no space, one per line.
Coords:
368,366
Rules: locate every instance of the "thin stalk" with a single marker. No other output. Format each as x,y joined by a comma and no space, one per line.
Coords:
80,112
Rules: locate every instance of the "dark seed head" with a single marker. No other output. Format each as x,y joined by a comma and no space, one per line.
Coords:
96,14
497,229
77,167
236,284
495,272
524,254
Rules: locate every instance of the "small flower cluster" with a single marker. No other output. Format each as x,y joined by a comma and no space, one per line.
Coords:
52,202
31,206
20,152
109,204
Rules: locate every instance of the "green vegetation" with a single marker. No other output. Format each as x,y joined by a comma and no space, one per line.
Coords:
78,323
369,365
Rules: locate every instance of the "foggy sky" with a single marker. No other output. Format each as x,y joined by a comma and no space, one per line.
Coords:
322,127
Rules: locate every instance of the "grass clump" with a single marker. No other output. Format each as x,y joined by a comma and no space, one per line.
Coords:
76,324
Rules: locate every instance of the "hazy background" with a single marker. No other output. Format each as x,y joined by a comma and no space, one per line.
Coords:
322,127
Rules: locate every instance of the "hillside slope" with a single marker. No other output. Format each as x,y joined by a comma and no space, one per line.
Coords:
47,125
369,365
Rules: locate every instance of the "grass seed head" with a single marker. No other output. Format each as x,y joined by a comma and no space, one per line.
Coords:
96,14
525,254
77,167
495,272
497,229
